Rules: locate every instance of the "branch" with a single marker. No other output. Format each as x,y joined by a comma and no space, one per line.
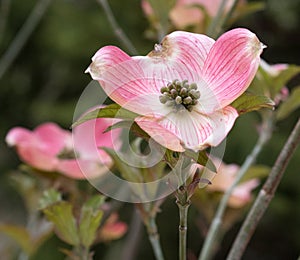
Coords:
265,196
214,229
23,35
116,28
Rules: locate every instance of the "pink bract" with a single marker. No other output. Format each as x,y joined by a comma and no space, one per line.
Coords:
224,178
188,12
221,70
51,148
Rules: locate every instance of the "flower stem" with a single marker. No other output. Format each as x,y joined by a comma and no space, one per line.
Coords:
82,253
214,230
23,35
154,239
213,28
148,213
116,28
220,19
265,196
183,202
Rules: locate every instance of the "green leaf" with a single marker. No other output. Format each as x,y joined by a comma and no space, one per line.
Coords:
49,197
94,202
109,111
60,214
20,235
256,171
120,124
90,219
290,105
282,79
248,102
201,158
129,124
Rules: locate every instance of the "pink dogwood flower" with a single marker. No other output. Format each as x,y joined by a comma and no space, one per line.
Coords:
183,89
188,12
112,229
51,148
225,177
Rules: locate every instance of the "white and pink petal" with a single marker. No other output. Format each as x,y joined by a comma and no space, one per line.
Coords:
231,64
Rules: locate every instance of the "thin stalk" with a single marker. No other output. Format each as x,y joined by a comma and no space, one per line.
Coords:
214,230
183,211
23,35
215,23
265,195
183,202
131,243
82,253
220,19
116,28
154,239
230,12
148,213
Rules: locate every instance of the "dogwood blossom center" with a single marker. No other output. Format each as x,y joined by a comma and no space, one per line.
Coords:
180,95
66,153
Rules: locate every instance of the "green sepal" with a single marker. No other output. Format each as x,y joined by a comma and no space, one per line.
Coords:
90,219
248,102
289,105
109,111
129,124
201,158
61,215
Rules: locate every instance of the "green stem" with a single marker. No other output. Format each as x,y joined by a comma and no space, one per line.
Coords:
148,213
154,238
82,253
116,28
214,230
220,19
23,35
213,27
265,196
183,202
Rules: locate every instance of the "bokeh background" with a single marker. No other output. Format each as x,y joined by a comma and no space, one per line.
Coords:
47,77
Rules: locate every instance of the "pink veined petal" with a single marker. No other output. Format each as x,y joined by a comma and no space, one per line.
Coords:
183,51
120,76
18,135
192,130
231,65
159,133
82,169
34,156
89,137
170,60
30,149
52,139
135,82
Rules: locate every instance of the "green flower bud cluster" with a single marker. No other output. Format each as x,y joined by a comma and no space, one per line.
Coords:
66,153
180,94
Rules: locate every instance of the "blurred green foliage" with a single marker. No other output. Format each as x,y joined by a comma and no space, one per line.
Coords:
47,78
